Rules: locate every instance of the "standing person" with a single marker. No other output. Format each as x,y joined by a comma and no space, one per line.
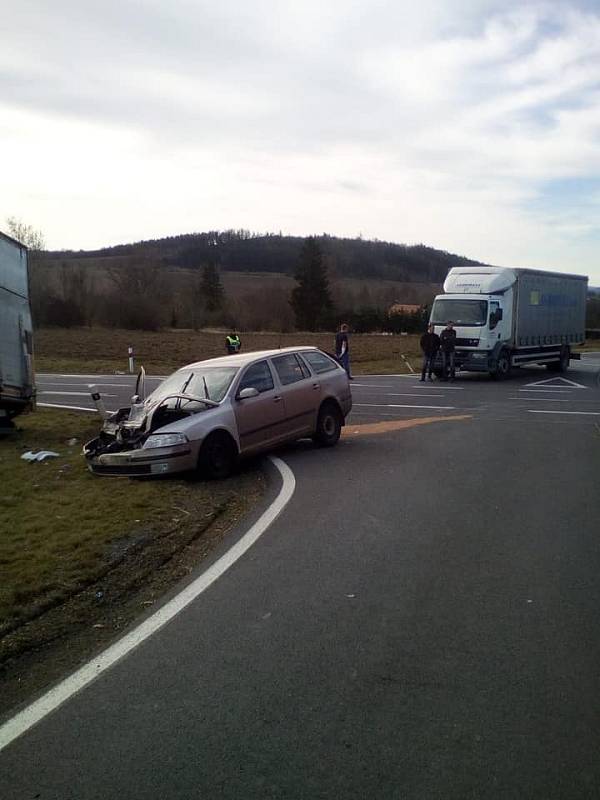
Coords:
447,343
342,349
430,344
233,343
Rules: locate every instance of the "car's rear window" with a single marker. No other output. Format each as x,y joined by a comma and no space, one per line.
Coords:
290,369
319,362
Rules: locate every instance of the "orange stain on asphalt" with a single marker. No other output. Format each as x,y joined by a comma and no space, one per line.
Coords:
395,425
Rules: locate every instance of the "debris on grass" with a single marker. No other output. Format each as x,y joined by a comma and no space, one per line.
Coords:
41,455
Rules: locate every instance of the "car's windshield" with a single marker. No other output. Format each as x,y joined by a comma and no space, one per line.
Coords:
460,312
209,382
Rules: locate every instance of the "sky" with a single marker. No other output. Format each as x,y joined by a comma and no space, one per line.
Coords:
472,126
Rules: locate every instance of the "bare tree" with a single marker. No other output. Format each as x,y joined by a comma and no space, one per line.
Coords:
140,297
31,237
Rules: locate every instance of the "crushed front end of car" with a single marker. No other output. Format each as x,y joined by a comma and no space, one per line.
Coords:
130,445
151,436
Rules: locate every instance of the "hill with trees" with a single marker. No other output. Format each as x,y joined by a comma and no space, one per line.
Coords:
242,251
235,278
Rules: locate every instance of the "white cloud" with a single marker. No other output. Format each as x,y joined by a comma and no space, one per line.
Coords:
442,123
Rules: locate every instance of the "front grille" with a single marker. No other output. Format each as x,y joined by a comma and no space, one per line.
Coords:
133,469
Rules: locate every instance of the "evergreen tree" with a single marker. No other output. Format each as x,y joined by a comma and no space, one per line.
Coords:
311,299
212,290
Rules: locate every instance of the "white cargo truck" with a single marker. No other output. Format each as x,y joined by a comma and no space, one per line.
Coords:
17,389
506,318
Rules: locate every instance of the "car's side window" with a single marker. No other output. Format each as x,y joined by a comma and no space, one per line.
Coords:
257,376
290,369
319,362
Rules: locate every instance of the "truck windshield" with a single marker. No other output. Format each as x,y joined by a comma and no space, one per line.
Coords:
460,312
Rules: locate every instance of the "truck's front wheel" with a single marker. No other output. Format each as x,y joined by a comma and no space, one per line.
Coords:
502,370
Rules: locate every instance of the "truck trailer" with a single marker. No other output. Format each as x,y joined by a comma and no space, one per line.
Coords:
17,388
508,317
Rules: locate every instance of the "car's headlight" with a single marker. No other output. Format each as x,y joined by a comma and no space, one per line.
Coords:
165,440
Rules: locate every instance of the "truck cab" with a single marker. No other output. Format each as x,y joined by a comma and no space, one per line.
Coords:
479,302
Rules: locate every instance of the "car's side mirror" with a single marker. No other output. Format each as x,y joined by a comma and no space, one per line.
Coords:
249,391
135,398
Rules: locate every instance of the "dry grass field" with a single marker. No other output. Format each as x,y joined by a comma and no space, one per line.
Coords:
90,350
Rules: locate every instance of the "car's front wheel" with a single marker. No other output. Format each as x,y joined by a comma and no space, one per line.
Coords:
329,425
218,456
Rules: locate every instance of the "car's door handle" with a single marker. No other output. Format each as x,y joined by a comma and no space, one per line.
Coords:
316,385
277,398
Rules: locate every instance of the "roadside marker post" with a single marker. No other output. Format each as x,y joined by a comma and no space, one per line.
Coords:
407,362
131,359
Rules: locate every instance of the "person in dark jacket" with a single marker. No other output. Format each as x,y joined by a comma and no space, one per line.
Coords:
447,343
430,344
342,349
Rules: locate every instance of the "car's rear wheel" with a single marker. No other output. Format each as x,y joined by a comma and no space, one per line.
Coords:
329,425
218,456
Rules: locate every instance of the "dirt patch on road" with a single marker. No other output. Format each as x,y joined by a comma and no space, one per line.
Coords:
396,425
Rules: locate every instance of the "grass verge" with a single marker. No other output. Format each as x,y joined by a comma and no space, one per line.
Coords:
76,551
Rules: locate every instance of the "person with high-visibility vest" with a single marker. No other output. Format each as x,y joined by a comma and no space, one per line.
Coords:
233,343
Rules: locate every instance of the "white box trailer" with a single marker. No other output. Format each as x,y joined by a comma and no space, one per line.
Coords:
505,318
17,388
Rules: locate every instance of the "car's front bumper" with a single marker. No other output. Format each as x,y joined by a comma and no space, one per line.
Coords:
140,462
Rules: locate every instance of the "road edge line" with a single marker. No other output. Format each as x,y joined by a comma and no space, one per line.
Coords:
67,688
66,408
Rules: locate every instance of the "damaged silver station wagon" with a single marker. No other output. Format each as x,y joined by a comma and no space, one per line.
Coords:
207,415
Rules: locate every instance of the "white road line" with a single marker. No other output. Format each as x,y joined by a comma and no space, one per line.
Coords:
74,394
411,394
584,413
542,399
565,382
444,388
52,383
49,702
67,408
548,391
96,376
394,405
374,385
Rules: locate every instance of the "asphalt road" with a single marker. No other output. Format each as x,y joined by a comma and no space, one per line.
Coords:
420,622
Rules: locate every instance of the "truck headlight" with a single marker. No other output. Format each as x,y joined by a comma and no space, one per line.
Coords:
165,440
